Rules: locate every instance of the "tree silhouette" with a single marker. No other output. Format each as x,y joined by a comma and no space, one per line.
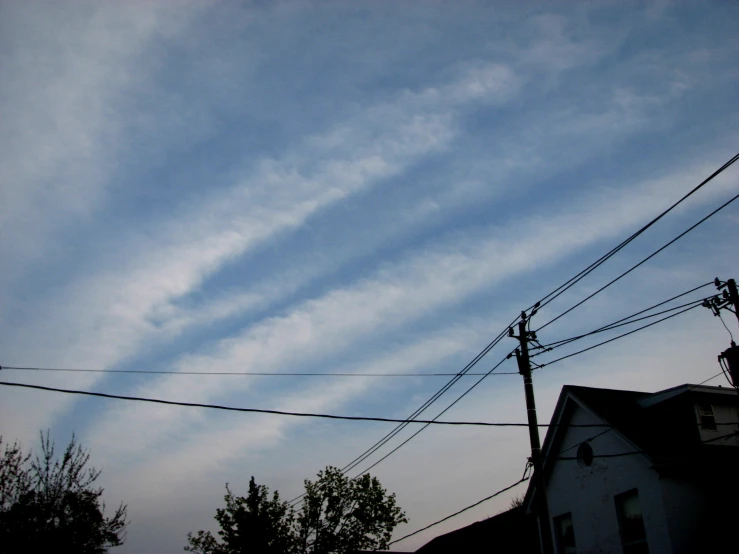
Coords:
49,503
252,524
338,515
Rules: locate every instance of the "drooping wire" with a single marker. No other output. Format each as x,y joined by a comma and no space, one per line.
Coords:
616,455
571,282
589,439
629,319
389,436
272,412
613,325
619,336
243,373
725,327
725,370
406,441
524,478
558,344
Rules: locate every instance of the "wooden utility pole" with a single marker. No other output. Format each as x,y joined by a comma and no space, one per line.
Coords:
540,499
733,296
730,356
729,300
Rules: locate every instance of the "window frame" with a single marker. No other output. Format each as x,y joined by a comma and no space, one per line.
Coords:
585,455
559,545
705,412
639,545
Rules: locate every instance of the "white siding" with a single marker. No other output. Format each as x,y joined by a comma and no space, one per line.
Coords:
588,493
726,419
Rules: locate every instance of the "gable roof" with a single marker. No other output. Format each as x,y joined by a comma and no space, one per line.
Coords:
661,425
619,408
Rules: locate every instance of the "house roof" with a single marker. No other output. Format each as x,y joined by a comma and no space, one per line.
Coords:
511,532
619,408
661,425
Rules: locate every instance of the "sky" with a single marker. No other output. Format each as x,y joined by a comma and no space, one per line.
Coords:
353,187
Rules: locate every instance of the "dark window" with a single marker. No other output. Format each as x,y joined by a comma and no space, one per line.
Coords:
631,523
565,534
706,417
585,455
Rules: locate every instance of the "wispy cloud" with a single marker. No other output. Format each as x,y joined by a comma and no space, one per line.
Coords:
327,187
396,295
111,311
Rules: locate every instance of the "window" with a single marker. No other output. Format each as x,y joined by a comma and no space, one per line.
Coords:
585,455
565,534
706,418
631,523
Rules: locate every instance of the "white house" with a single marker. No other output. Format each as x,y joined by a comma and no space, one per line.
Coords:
661,474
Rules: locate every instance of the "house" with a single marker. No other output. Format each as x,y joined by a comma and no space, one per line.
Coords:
658,476
510,532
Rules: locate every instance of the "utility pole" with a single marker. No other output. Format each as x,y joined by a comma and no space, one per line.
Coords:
729,300
524,368
733,296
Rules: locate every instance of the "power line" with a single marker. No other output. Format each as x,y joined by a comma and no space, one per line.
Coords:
731,335
565,342
406,441
618,455
546,348
501,491
551,296
632,268
618,336
586,440
274,412
613,325
618,323
244,373
571,282
600,261
628,319
469,390
385,439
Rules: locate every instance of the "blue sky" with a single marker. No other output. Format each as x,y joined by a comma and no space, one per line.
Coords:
344,187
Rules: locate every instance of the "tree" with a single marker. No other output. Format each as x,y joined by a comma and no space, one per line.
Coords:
338,516
254,523
49,503
516,502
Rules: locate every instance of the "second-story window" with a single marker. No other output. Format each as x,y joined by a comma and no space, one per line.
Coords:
706,418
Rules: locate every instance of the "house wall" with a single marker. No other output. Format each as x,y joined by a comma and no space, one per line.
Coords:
686,507
702,512
588,493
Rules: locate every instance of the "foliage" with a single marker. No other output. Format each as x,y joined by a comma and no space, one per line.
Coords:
254,523
49,503
338,515
516,502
